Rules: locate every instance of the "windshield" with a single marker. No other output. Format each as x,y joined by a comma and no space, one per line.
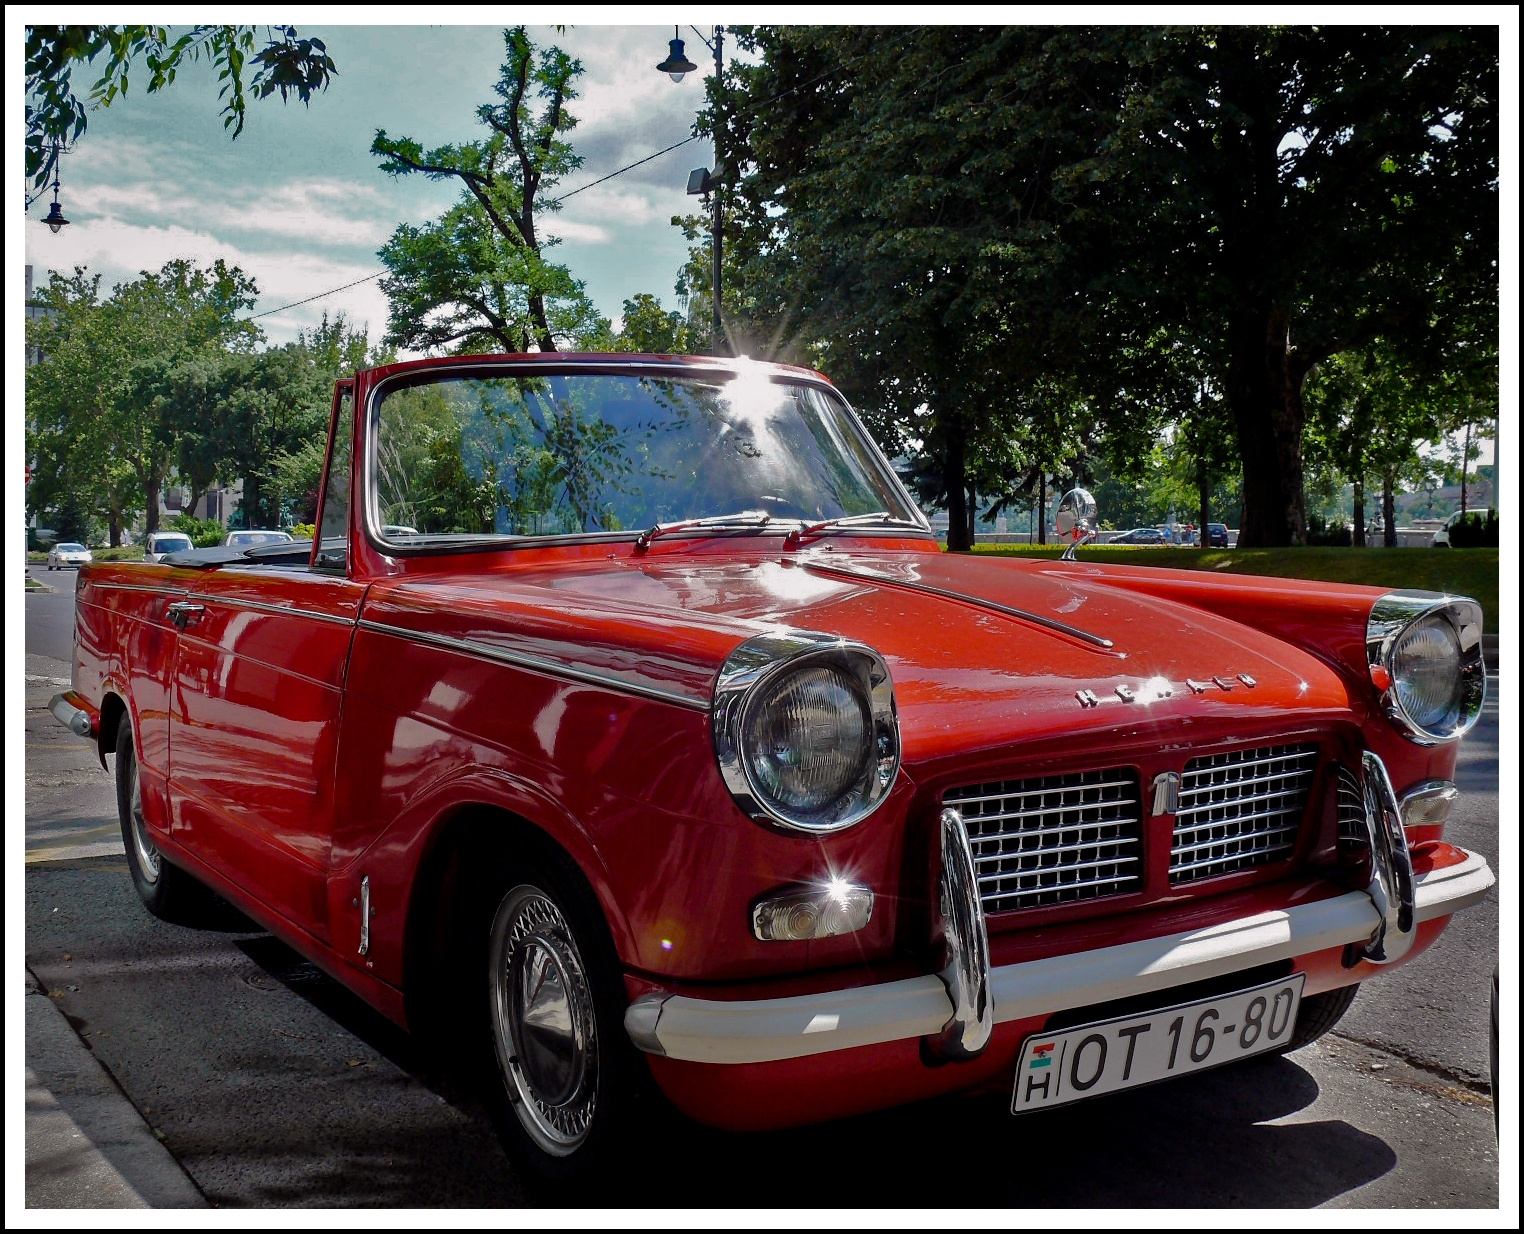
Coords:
534,455
170,544
71,548
254,538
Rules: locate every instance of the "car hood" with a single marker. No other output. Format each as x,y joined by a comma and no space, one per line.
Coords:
969,668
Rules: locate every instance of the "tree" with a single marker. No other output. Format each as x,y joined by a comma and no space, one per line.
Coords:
647,327
1303,192
477,277
101,401
1010,206
55,115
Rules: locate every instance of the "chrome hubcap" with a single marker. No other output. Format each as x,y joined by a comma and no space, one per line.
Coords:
543,1025
148,853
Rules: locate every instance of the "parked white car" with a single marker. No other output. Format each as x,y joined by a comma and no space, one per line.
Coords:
253,539
1442,536
161,543
68,554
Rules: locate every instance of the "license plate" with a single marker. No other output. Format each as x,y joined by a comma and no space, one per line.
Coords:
1057,1068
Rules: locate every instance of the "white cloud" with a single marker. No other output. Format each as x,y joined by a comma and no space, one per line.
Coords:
119,251
568,229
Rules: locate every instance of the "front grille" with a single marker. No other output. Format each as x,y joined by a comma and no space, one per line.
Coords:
1239,810
1053,839
1351,807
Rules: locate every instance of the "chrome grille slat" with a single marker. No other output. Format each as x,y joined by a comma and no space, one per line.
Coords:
955,798
1214,762
1039,841
1240,809
1350,805
1058,868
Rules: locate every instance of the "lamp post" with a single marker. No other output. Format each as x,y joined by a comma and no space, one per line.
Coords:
703,180
55,220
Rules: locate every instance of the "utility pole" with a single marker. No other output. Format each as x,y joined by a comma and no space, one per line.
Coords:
720,138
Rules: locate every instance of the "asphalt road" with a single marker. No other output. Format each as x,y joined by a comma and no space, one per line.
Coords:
273,1086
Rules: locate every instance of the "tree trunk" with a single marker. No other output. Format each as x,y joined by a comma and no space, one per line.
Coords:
114,527
1042,508
973,514
1204,503
1389,507
151,503
1357,536
955,481
542,326
1265,379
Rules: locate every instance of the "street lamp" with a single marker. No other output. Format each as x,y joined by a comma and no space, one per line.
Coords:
55,220
704,180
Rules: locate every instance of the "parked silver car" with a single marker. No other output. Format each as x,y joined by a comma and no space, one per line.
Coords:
68,554
253,539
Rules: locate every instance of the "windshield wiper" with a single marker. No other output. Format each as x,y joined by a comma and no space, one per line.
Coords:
745,518
812,531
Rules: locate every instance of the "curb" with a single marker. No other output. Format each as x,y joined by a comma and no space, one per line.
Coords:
86,1144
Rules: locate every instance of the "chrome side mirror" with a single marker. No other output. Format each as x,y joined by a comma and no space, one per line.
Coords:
1075,520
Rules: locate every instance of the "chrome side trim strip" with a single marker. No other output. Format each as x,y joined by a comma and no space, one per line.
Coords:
966,968
767,1030
1048,623
158,591
1391,886
549,668
276,609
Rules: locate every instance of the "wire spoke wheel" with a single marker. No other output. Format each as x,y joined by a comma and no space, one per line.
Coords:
544,1027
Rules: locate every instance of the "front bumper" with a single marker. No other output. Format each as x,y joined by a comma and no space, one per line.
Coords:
770,1030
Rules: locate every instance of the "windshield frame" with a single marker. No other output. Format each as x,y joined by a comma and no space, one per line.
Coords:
711,372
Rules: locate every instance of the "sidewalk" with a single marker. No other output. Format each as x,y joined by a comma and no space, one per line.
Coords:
86,1144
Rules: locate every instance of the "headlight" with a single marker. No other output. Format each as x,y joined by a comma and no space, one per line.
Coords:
1425,656
805,730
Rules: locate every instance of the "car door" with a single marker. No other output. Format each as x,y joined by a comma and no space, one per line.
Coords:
258,688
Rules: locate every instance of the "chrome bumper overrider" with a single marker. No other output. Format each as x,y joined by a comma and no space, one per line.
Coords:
75,719
767,1030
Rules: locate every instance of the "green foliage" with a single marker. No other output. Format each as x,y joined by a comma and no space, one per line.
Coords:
1120,228
476,279
1475,531
204,532
287,63
651,329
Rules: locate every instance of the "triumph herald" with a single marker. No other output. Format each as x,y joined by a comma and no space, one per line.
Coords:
625,721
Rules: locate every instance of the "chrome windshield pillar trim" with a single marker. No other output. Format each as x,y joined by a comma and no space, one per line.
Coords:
966,969
1390,619
640,1020
77,720
1391,887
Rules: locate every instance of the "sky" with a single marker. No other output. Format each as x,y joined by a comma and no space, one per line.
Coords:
298,201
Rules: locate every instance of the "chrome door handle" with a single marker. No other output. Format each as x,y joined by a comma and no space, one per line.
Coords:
183,613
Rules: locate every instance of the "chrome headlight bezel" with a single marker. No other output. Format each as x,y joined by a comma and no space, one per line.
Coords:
746,678
1392,619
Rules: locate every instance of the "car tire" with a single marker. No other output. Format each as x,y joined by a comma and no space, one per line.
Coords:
1318,1014
564,1077
167,891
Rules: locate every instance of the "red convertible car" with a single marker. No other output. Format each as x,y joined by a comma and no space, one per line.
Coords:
625,721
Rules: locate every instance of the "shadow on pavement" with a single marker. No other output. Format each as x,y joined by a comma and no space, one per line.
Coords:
316,1100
